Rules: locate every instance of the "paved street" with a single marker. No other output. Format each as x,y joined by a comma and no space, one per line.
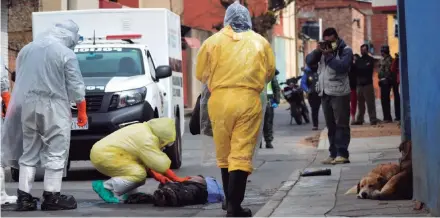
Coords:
272,168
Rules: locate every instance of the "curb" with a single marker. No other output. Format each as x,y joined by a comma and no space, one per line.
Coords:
284,189
323,142
279,195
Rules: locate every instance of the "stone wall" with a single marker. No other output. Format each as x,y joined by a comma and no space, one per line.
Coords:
20,26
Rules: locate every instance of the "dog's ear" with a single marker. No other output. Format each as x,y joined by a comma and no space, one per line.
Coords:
358,188
381,180
401,146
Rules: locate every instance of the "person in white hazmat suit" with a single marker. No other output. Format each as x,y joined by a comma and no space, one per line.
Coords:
48,79
5,198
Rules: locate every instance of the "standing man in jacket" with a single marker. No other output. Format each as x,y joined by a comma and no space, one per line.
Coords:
38,121
364,68
386,83
273,100
335,59
309,81
236,64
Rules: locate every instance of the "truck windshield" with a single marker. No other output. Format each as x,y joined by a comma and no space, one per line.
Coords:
110,62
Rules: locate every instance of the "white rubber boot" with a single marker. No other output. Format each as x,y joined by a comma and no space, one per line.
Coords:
5,198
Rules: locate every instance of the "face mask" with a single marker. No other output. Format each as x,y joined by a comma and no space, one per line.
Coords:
334,45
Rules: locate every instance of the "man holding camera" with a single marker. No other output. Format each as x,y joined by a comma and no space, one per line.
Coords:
335,59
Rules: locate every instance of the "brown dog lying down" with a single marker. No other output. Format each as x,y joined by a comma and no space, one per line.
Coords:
392,181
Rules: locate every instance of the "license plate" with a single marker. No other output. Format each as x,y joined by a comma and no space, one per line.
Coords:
75,126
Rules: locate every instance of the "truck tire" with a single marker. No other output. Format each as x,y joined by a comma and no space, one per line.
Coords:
174,151
15,174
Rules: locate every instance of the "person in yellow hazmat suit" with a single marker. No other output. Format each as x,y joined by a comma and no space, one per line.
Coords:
235,63
129,153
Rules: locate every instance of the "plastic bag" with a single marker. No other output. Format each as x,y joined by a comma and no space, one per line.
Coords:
215,190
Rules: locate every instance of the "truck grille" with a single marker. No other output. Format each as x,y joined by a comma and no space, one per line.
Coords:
93,102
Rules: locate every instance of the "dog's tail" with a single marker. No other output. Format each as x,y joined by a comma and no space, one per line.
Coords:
353,190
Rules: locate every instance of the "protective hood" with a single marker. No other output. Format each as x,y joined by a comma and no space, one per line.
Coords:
164,129
237,16
65,32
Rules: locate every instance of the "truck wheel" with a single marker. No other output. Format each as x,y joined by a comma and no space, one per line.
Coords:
174,151
15,174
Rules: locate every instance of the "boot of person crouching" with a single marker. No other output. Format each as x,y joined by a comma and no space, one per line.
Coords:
236,191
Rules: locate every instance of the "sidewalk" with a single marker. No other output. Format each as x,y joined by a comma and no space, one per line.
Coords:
324,195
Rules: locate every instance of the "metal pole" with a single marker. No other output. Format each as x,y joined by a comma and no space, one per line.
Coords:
404,95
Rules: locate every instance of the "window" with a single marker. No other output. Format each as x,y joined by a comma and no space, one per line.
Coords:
151,65
110,62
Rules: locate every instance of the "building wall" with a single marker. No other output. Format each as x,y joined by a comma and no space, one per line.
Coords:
204,14
342,20
379,31
4,33
174,5
393,41
358,31
194,86
289,33
81,4
424,86
279,45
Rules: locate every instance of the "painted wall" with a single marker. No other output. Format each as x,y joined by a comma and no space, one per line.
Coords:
424,89
290,40
203,14
393,41
279,48
4,33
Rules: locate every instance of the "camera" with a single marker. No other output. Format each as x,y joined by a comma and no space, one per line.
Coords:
324,45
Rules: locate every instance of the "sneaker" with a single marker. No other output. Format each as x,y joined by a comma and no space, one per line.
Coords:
375,122
57,201
315,128
340,160
329,160
357,123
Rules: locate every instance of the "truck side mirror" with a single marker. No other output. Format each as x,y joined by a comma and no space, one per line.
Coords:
163,71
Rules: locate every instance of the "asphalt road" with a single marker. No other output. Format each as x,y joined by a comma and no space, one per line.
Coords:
272,167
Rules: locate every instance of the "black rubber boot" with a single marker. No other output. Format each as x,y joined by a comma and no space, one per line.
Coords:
236,190
57,201
225,181
269,145
25,201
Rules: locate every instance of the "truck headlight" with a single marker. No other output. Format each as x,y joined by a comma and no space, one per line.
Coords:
128,98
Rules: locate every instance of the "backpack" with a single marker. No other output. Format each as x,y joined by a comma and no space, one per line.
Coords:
215,190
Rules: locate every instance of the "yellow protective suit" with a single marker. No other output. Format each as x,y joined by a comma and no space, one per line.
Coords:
236,67
129,152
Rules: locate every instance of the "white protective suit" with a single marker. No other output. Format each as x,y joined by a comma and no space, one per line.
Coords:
38,121
4,84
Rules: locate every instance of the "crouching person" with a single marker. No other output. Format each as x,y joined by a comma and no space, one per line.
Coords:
197,190
129,153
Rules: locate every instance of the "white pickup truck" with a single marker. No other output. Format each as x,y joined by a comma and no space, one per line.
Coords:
131,62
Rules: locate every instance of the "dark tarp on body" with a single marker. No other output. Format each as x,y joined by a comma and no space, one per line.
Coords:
173,194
